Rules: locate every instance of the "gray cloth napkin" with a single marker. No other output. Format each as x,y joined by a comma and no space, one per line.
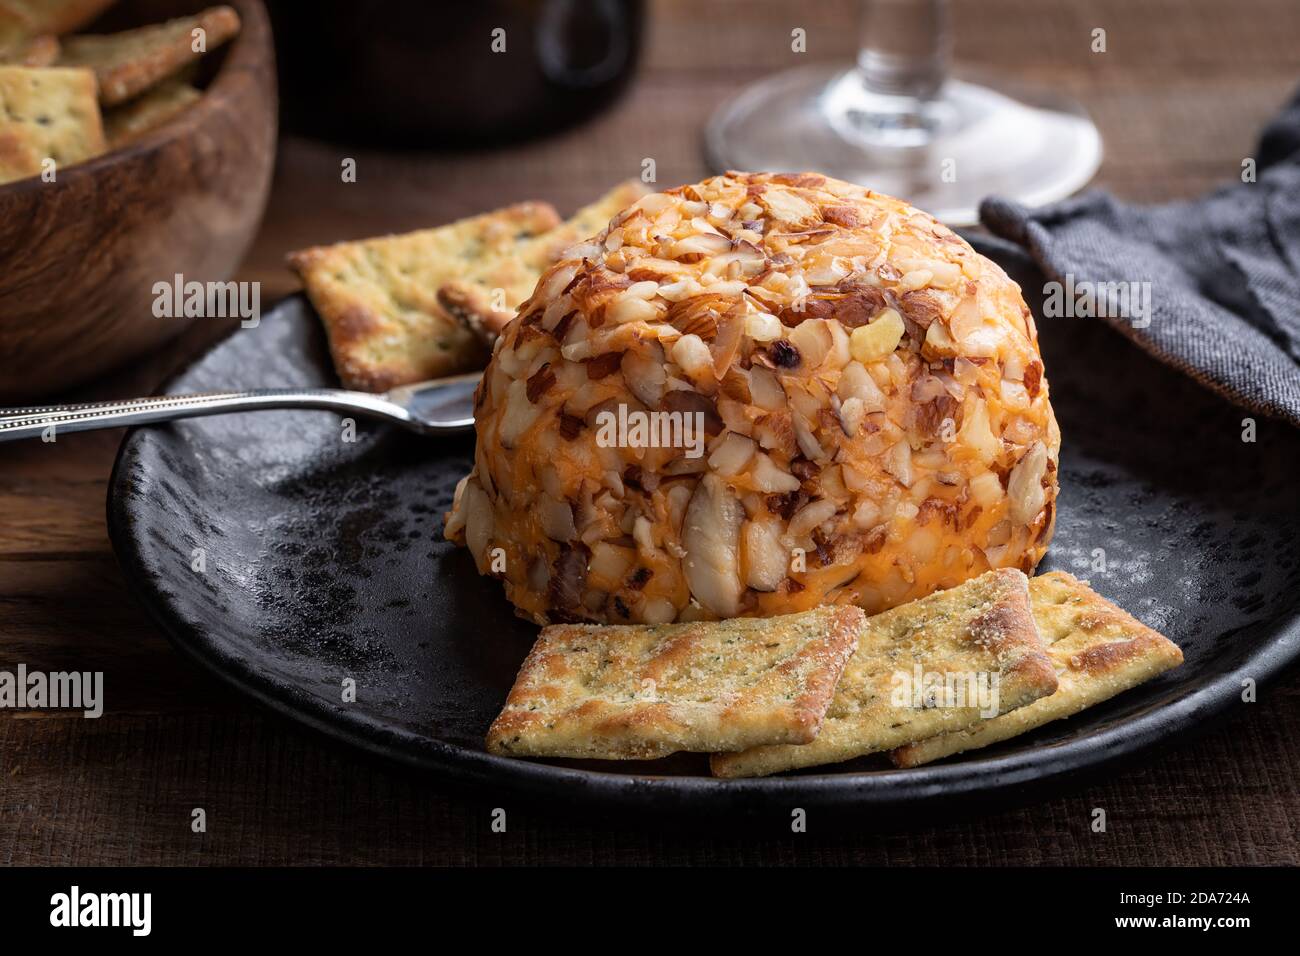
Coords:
1222,272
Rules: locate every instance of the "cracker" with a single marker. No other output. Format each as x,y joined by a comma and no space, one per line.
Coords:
46,113
149,111
472,302
16,28
59,16
29,28
1098,650
634,692
977,630
129,63
377,297
38,51
587,222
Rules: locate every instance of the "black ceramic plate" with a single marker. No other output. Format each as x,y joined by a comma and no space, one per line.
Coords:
324,561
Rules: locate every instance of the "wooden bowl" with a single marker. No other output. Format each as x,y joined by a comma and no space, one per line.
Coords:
79,257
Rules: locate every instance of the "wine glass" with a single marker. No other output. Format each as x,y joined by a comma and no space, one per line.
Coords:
897,123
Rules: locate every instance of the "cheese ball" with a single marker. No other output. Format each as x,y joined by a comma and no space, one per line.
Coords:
754,395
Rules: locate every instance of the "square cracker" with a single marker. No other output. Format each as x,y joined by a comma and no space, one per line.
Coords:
631,692
46,113
149,111
131,62
1098,651
377,297
981,627
471,301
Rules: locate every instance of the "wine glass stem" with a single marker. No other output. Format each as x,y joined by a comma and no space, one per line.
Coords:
904,47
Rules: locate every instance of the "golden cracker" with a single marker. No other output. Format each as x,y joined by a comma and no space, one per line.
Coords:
634,692
131,62
16,28
1098,650
38,51
46,113
981,627
59,16
378,297
589,221
472,302
147,112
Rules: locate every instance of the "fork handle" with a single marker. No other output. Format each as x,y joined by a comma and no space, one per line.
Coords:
16,423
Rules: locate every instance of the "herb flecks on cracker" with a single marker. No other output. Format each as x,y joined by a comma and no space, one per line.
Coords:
378,297
1098,650
637,692
981,627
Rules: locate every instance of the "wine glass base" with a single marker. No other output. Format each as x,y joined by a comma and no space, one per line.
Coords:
974,140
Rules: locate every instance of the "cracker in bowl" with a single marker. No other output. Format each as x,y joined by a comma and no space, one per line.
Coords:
981,627
38,51
56,16
636,692
15,28
1098,650
133,61
46,114
145,113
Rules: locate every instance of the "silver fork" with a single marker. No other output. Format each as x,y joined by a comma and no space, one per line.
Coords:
438,407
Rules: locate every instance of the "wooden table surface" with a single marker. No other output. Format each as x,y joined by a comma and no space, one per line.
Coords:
1179,96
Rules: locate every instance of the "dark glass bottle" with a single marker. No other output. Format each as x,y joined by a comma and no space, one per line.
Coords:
450,74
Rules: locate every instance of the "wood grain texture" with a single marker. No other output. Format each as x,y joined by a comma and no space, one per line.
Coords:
120,790
1179,97
79,257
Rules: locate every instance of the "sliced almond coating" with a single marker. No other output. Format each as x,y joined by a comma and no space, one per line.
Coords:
640,692
1098,650
981,627
911,452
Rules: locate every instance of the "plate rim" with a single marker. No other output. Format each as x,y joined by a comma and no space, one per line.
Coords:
972,779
